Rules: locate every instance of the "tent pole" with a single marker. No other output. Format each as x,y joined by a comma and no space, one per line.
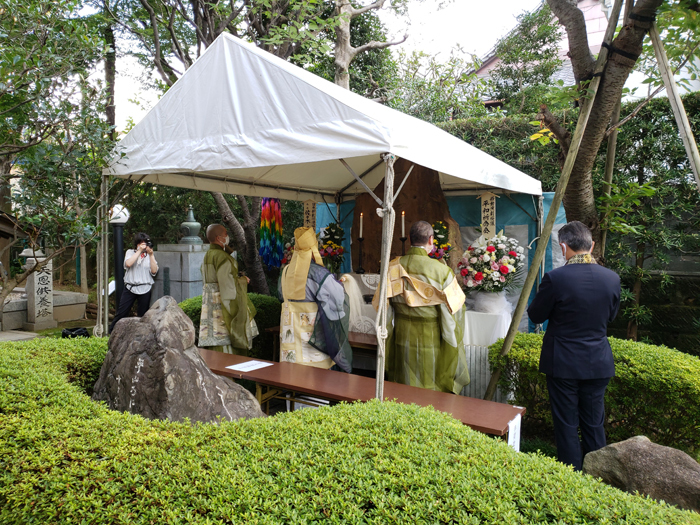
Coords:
558,197
347,166
388,216
691,148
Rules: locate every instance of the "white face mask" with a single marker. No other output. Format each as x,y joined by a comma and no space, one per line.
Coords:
227,241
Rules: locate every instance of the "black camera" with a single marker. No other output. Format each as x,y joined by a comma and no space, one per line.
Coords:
149,243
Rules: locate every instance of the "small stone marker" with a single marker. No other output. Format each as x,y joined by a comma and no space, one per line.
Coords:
39,289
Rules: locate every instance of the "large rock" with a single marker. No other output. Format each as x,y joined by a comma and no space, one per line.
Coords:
153,369
637,464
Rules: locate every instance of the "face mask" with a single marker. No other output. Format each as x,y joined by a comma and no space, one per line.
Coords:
564,245
227,241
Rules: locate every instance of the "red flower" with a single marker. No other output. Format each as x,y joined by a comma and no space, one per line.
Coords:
503,270
512,253
491,249
470,248
478,276
464,272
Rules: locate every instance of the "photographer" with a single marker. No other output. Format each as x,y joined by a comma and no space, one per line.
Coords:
141,266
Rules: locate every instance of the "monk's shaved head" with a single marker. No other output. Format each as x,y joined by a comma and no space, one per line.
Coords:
214,231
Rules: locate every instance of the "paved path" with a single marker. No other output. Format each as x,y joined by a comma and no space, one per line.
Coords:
16,335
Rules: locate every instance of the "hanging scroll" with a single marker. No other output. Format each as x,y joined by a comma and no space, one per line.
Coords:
488,214
310,214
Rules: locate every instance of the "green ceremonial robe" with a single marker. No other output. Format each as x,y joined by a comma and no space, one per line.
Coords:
425,347
227,311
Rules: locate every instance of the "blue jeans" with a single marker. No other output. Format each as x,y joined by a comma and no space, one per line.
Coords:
577,403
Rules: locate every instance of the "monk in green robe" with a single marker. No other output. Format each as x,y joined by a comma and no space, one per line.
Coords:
227,323
425,322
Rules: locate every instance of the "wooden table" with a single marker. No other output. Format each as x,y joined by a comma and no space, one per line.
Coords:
484,416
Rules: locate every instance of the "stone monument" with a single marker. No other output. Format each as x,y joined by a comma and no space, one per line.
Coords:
179,275
39,290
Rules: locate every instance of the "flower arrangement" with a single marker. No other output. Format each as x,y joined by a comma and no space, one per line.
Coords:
491,265
441,248
330,247
288,252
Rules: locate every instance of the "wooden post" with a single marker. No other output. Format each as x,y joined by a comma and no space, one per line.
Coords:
609,165
674,98
558,197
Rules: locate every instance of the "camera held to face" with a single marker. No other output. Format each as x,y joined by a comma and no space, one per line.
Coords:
149,243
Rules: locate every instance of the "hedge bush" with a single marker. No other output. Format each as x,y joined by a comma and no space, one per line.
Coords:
268,314
67,459
656,390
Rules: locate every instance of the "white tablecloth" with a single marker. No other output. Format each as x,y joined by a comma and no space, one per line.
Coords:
485,329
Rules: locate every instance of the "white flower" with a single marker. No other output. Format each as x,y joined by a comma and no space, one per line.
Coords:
440,236
473,260
470,283
501,246
480,243
511,268
486,257
495,276
520,249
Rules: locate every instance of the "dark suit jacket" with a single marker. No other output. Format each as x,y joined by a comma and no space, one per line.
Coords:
579,300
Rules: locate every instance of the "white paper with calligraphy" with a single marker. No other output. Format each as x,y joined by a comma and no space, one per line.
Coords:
39,290
488,214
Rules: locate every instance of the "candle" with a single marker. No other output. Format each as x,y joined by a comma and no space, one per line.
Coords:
403,224
361,216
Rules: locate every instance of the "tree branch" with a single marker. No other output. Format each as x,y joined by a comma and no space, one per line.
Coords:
562,134
571,17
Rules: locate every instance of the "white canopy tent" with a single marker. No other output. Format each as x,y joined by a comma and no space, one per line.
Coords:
242,121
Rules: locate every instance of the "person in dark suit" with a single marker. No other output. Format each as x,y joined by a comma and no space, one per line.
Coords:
579,300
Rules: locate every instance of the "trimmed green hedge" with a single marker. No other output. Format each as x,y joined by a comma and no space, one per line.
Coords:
656,390
268,314
67,459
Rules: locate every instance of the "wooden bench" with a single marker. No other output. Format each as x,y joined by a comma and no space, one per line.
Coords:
484,416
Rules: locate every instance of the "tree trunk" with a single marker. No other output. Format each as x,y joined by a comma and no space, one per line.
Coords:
579,200
245,238
343,48
110,75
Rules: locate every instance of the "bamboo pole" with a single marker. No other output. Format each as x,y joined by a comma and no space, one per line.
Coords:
674,98
388,218
558,197
609,166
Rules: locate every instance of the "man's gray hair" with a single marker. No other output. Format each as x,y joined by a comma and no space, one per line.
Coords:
420,233
576,236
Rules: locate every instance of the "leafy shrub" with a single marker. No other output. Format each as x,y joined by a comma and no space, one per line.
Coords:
268,314
655,392
67,459
193,309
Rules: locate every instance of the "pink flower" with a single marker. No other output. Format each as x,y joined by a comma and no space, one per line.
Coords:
494,266
502,278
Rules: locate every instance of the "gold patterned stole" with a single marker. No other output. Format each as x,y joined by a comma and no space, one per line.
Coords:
423,294
582,258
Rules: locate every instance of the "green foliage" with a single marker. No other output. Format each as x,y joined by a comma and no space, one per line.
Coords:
527,58
268,314
433,91
507,139
67,459
655,392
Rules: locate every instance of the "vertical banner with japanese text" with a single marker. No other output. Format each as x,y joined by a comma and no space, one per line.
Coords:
488,214
310,214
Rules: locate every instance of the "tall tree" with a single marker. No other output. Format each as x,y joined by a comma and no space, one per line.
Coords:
626,47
